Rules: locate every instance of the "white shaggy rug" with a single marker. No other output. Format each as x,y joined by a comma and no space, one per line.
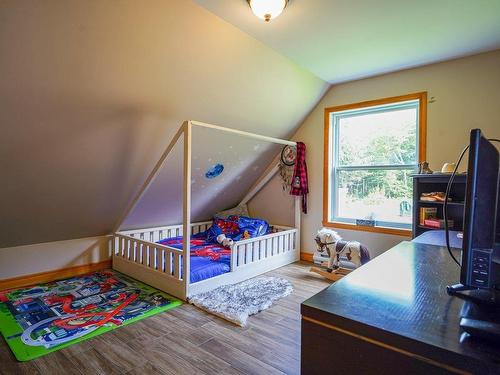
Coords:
237,301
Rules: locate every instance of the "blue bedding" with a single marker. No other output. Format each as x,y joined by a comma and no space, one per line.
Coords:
208,257
204,268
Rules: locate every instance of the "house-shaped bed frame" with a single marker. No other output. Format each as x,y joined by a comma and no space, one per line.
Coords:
136,252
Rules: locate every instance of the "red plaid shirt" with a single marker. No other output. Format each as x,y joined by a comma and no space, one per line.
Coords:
299,182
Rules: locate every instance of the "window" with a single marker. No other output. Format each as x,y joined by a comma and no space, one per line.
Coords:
371,150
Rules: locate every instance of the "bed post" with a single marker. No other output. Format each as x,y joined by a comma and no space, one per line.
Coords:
186,223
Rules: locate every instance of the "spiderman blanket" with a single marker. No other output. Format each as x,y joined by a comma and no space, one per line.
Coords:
43,318
207,259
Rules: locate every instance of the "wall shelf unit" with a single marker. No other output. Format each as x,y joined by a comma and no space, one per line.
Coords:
427,183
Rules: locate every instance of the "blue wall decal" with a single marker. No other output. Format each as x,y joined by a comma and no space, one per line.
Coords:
214,171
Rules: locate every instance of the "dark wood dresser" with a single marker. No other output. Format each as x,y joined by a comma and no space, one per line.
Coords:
393,316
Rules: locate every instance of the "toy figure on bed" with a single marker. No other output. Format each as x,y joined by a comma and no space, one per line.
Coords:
333,250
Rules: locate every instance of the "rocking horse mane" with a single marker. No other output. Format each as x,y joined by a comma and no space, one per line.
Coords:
324,232
326,237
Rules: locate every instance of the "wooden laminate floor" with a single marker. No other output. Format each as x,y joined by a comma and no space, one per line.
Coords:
187,340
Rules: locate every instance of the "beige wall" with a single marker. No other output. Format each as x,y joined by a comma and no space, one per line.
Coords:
29,259
273,204
465,95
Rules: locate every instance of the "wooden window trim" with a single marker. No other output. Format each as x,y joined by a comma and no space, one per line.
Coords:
422,149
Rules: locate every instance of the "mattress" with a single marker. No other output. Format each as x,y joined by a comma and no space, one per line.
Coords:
203,268
437,237
207,259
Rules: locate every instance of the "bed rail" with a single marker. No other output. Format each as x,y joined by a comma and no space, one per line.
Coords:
155,264
261,248
165,259
160,233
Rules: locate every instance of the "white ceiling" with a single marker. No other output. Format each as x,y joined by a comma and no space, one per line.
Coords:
342,40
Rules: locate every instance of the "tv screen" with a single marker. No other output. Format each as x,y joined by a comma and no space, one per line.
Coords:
481,234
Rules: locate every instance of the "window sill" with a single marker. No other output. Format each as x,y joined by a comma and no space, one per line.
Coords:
393,231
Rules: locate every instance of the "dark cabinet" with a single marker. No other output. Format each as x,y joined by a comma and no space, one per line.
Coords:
428,183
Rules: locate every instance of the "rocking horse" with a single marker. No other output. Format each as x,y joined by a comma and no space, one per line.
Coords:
332,250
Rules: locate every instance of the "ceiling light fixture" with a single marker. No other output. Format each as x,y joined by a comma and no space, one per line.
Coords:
267,9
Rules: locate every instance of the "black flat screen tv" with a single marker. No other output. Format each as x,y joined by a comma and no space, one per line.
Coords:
480,266
481,242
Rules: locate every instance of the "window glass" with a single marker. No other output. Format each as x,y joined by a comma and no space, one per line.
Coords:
374,150
380,138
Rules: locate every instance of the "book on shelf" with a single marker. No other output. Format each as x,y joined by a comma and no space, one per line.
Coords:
435,196
427,213
437,223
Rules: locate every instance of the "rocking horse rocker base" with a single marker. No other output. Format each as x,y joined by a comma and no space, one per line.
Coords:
334,274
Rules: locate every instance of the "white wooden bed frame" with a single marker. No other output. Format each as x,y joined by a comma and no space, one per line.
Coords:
136,253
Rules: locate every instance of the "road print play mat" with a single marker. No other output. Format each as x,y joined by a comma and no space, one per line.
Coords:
40,319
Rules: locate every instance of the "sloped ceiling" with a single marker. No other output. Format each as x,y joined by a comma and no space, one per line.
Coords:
92,92
341,40
243,159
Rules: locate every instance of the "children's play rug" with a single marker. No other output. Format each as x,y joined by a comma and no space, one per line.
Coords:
40,319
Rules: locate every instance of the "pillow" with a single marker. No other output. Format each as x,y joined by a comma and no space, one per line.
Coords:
222,226
237,228
252,227
238,210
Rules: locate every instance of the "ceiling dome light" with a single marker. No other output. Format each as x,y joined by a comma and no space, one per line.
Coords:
267,9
